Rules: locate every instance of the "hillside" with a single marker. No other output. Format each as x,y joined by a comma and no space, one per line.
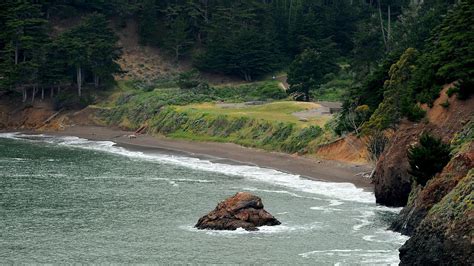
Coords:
398,75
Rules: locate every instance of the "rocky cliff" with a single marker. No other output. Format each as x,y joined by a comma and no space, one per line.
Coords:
391,179
439,217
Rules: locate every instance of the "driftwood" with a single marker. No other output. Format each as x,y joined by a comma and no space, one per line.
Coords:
53,116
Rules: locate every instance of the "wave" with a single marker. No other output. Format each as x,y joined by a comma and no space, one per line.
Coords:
356,256
339,191
262,230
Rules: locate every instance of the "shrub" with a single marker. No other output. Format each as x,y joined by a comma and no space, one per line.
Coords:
465,89
451,91
427,158
445,104
299,142
70,100
189,80
376,143
415,113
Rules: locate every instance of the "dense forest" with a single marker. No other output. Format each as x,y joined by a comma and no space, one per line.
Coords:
396,52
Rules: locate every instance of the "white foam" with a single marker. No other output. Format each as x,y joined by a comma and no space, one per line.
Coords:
325,209
364,220
386,236
340,191
279,192
358,256
262,230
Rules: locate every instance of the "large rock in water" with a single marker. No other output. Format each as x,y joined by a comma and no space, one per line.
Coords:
243,210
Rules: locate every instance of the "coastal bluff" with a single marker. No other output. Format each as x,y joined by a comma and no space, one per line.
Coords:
243,210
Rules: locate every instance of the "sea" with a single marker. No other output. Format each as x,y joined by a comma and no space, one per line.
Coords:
70,200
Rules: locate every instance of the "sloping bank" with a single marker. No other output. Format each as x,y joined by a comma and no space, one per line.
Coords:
246,131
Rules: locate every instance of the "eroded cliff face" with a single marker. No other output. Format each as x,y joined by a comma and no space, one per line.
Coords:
392,183
444,236
40,115
439,217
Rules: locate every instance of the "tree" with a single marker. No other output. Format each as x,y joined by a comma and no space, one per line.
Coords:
91,45
177,39
103,51
427,158
241,42
398,99
307,71
24,35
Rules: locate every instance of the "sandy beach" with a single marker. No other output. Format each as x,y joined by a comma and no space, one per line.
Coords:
322,170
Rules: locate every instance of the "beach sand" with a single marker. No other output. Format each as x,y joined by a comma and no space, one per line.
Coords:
321,170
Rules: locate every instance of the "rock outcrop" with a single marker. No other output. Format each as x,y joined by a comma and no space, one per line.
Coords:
243,210
444,236
392,183
439,217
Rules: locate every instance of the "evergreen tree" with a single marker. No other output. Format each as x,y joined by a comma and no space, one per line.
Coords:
90,45
178,38
24,36
427,158
308,70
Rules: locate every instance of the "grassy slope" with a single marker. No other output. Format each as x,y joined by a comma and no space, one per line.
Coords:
195,115
275,111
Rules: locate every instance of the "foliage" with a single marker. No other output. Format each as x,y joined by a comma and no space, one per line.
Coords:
247,53
397,96
465,89
449,54
68,100
190,80
243,130
427,158
307,71
376,144
32,57
140,101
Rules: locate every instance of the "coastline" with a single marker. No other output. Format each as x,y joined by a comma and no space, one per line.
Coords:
229,153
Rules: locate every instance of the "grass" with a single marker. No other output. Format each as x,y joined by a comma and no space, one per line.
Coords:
219,114
247,130
275,111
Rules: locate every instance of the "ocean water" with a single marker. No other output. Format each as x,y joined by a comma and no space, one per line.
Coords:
71,200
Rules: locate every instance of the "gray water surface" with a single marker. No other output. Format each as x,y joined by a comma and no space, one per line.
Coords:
68,200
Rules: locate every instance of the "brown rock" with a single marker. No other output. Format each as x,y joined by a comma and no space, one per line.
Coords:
243,210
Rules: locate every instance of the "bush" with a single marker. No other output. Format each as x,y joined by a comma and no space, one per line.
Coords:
376,144
70,100
190,80
427,158
415,113
451,91
465,89
445,104
299,142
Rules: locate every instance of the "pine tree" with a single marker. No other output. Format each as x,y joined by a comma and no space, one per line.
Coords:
307,71
25,35
427,158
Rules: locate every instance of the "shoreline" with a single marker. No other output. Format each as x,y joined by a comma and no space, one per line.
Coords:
228,153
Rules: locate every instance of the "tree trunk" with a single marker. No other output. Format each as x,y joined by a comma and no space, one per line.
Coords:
79,81
306,96
59,89
381,24
389,30
52,92
25,94
16,54
96,81
42,93
34,94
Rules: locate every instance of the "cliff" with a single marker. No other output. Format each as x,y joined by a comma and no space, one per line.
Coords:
392,183
439,217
